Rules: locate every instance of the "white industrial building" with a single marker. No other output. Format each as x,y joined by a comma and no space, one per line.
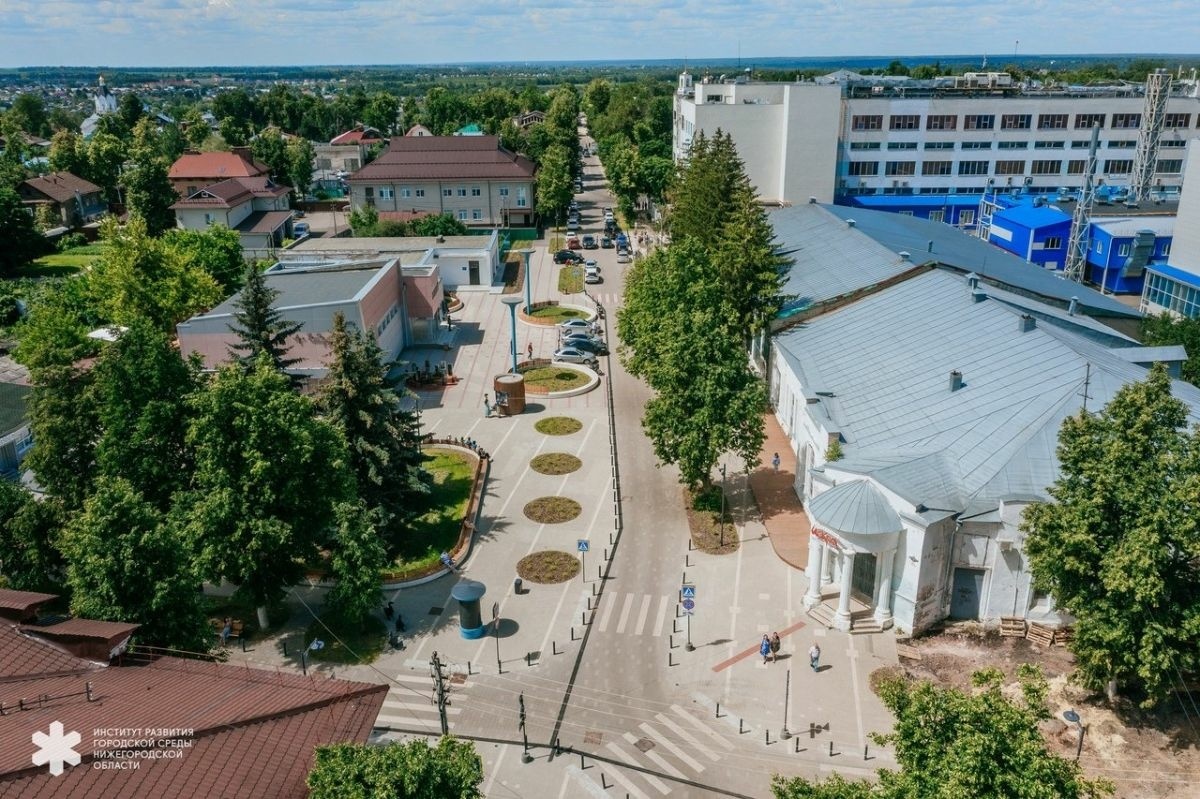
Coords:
849,134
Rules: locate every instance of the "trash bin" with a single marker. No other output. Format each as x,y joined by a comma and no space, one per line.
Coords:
517,586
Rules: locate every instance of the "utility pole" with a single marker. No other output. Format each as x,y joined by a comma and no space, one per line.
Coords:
440,687
722,505
525,756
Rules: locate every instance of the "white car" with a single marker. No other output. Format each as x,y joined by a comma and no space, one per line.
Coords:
591,276
590,263
575,326
572,355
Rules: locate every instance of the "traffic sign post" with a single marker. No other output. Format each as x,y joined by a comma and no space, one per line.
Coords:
688,592
583,545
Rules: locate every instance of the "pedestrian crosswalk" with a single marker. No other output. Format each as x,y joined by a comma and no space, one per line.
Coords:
675,744
634,613
411,701
609,299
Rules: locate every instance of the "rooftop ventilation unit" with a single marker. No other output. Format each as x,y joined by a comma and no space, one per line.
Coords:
850,223
1026,323
978,295
1073,306
956,381
905,255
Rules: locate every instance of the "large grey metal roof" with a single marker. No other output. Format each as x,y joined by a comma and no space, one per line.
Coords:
883,363
952,247
310,287
854,507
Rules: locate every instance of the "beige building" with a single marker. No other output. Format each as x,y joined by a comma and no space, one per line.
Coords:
256,208
472,178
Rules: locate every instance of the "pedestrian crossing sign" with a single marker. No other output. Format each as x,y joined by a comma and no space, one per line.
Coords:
582,544
689,591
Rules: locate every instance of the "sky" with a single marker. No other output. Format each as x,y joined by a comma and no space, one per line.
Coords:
300,32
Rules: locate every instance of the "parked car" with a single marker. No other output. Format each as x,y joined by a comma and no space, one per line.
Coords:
573,243
300,229
567,257
587,344
575,326
590,263
606,242
591,276
573,355
590,243
622,241
622,257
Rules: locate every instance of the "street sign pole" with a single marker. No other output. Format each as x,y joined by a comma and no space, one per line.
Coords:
525,756
689,605
583,545
496,634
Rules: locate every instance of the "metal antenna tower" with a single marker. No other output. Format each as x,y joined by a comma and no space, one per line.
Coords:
1081,220
1158,89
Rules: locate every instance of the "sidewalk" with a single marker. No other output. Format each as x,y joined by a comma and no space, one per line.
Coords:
782,512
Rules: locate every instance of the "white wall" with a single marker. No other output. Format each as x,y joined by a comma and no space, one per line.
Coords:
1185,247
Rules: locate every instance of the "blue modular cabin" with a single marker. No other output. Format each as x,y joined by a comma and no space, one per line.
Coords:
1039,234
1121,248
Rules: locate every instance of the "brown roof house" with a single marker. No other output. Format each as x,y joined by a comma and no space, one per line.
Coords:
86,714
74,201
472,178
193,171
257,208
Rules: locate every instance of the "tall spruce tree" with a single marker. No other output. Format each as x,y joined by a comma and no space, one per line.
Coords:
364,403
259,326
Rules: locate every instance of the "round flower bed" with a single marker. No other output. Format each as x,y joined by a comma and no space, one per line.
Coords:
553,510
555,463
558,426
548,566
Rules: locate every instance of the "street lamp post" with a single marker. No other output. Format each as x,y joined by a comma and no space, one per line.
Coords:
496,635
1073,717
526,254
512,301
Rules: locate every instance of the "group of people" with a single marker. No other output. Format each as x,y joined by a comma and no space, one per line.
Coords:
769,649
469,443
389,611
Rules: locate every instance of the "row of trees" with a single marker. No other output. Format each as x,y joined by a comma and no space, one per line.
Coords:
558,159
365,221
690,310
631,123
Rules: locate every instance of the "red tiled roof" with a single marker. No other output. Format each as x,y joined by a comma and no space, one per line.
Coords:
61,186
232,193
85,628
23,657
215,166
263,221
22,600
358,135
445,157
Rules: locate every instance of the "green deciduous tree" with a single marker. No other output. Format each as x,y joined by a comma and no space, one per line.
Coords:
268,474
260,328
358,557
216,251
1166,330
270,148
196,130
28,113
106,154
951,744
128,563
596,97
69,153
554,183
63,420
54,331
29,556
300,155
412,770
129,109
21,242
148,190
436,225
1119,546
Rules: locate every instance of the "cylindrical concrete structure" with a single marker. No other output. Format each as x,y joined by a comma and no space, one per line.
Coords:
470,617
510,393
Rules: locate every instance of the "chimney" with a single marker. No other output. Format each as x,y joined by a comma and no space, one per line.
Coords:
850,223
929,246
972,280
244,152
905,255
956,381
1026,323
978,295
1073,306
812,200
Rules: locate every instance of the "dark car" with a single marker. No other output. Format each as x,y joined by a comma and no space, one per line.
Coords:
567,257
586,343
589,242
606,242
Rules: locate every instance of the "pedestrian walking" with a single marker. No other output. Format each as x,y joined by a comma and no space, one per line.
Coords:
389,611
226,631
814,657
775,462
775,644
487,407
529,351
764,648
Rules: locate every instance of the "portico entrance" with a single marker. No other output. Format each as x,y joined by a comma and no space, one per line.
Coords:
862,582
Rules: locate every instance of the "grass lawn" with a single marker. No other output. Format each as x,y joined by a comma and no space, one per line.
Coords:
570,280
558,426
558,313
356,645
554,378
436,529
557,242
63,263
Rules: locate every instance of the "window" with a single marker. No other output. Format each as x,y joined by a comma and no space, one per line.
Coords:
462,215
1052,121
1010,167
966,216
1177,120
1172,143
406,192
972,167
714,98
1122,250
1121,144
1127,120
901,168
208,219
1013,145
1076,167
504,191
420,192
941,122
1118,166
864,145
863,168
1088,121
24,443
522,199
1052,243
1178,297
369,191
1081,144
476,214
447,192
1169,166
979,121
461,191
937,216
902,145
324,163
977,145
937,168
868,122
1166,249
904,122
475,192
939,145
1047,167
935,190
1099,248
386,193
1016,121
1049,145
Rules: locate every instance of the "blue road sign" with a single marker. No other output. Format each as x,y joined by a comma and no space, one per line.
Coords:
687,612
583,545
688,604
689,591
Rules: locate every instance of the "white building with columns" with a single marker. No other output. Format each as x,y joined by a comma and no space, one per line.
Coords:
923,406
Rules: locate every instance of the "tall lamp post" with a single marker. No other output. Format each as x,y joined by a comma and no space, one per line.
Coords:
512,301
525,256
1073,717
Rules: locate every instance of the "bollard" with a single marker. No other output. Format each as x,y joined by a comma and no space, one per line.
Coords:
583,615
243,643
797,745
603,781
740,730
554,647
285,654
718,710
684,579
468,668
689,544
670,659
572,632
675,624
768,732
599,573
606,553
687,560
582,764
865,752
594,589
527,654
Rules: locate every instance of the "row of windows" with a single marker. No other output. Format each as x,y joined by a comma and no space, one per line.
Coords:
408,192
1043,144
1122,121
1112,166
1167,293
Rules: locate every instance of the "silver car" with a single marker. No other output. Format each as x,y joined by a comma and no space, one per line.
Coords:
573,355
575,326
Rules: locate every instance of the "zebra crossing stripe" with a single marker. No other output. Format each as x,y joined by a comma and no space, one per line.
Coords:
641,619
661,618
687,736
606,613
658,760
621,778
625,613
692,762
695,722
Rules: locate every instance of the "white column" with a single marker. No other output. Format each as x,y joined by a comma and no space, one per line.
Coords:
841,619
883,592
828,564
816,564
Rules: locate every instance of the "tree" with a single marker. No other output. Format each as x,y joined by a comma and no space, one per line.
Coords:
411,770
1166,330
18,231
951,744
54,331
268,475
1119,546
148,190
130,110
64,422
28,112
259,326
437,225
235,133
216,251
364,221
196,130
300,155
704,195
554,183
270,148
106,155
29,555
596,97
69,153
749,268
358,557
127,563
380,112
363,403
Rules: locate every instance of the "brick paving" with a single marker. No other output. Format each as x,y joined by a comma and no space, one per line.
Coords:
782,512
